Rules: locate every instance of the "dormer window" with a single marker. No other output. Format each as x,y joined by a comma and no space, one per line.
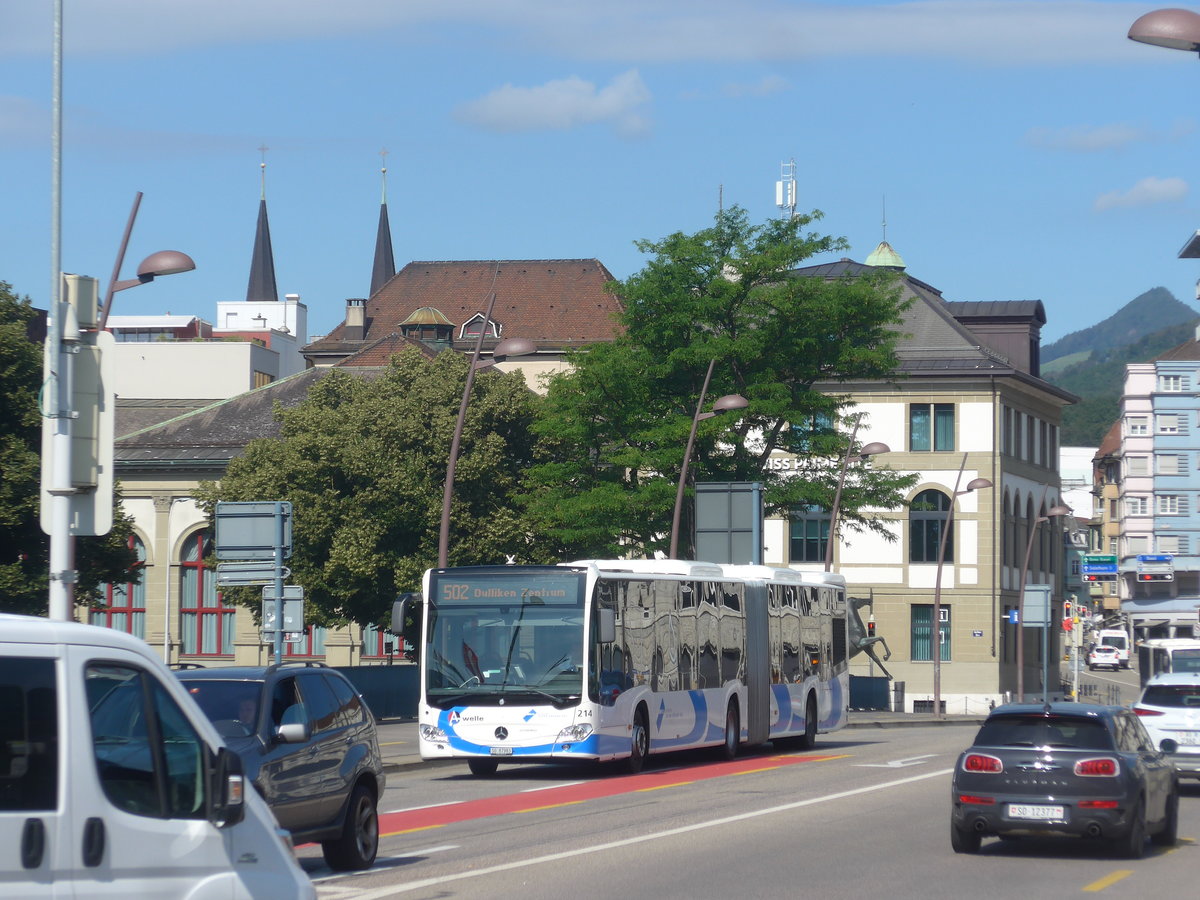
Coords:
475,324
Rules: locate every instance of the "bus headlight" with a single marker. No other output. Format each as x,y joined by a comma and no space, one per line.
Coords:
432,733
573,734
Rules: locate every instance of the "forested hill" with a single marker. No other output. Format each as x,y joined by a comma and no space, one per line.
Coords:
1151,312
1098,378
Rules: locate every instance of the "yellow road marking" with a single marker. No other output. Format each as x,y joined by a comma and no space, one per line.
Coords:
412,830
1108,880
659,787
550,806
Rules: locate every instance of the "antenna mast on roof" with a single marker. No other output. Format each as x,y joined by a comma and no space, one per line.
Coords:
785,188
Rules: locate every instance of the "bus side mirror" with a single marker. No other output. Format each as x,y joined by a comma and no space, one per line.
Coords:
400,610
607,626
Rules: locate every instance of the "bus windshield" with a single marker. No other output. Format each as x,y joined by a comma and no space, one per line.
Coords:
495,635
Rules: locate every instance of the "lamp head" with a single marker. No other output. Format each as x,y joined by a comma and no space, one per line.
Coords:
513,347
976,484
165,262
1177,29
1059,510
874,448
730,401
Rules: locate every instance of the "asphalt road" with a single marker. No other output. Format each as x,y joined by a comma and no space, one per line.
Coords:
865,813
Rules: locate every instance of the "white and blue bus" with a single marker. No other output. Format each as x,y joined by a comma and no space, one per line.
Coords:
617,659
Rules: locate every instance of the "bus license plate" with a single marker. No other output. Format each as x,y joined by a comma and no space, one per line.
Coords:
1042,813
501,751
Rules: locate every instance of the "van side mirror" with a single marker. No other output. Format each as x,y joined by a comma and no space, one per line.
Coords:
606,625
227,786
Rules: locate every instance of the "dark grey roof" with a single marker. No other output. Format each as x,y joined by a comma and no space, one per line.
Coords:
385,264
136,415
998,309
212,436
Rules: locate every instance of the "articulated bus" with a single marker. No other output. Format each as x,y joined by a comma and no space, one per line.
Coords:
618,659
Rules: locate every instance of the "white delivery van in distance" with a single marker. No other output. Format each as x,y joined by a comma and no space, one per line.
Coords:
1118,640
113,783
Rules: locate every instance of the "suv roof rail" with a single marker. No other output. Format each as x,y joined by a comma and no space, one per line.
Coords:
301,663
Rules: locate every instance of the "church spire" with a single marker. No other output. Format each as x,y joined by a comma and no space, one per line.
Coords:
262,264
385,264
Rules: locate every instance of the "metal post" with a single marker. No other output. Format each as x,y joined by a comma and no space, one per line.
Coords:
687,456
279,540
935,638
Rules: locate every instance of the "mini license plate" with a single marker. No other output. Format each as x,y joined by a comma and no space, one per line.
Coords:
501,751
1040,813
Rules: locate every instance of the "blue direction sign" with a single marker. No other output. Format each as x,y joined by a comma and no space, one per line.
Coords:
1155,558
1099,565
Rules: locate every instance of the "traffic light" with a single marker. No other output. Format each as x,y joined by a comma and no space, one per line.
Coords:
1156,576
871,627
1097,578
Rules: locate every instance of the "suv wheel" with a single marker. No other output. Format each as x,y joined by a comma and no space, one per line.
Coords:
359,841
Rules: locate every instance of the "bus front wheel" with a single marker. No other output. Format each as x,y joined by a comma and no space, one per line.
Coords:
482,767
639,742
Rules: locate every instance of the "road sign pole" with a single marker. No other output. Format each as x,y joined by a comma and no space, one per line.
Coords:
279,542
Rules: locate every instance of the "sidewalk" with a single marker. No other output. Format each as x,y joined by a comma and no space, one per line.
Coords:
398,737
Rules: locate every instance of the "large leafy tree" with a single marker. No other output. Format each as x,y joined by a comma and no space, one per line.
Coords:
24,549
363,462
616,425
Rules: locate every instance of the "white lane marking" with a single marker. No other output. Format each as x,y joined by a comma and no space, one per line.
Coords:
550,787
392,890
897,763
419,808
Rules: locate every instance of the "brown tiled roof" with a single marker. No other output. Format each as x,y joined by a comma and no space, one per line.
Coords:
379,352
553,302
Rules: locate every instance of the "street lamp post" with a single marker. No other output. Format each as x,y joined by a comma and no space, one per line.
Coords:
63,340
720,405
935,632
503,350
871,449
1033,527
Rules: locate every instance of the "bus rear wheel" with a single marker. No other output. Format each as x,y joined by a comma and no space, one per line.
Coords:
733,731
809,740
639,742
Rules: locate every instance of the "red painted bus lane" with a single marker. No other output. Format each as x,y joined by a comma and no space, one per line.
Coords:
435,817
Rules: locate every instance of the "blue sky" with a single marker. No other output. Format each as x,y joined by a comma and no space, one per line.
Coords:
1022,150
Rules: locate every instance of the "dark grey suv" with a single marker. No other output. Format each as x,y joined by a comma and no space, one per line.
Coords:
308,744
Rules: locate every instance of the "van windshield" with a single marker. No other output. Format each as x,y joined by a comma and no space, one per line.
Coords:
1114,640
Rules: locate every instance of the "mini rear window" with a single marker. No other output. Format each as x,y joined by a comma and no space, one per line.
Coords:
1063,732
1173,695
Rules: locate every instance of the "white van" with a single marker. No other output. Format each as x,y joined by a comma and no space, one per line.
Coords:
113,783
1118,640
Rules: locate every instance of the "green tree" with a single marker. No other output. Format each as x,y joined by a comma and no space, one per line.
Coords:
363,462
24,549
616,424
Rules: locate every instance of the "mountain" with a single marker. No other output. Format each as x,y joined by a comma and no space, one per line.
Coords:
1091,363
1152,311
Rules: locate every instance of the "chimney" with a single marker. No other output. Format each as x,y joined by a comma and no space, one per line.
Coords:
356,319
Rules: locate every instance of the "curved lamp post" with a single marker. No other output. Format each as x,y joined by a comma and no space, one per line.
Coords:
503,350
164,262
720,405
1053,511
871,449
1177,29
935,631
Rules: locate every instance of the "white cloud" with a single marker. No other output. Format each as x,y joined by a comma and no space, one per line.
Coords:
1104,137
561,105
1147,192
771,84
996,32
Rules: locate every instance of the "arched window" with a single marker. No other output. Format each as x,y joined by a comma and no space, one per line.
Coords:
124,606
207,624
926,521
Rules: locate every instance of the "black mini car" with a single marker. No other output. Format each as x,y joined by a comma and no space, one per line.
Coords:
308,744
1064,769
